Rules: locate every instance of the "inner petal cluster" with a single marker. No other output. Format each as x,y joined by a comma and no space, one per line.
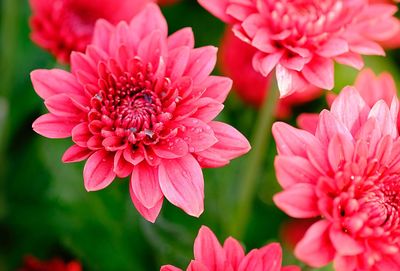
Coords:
131,106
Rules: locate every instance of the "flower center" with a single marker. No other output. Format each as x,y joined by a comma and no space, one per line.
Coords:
127,104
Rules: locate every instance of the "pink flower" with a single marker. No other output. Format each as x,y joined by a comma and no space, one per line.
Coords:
372,88
346,173
302,39
236,62
209,255
141,104
63,26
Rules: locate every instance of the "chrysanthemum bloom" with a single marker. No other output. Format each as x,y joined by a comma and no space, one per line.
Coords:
236,62
302,39
347,174
56,264
372,88
63,26
209,255
141,104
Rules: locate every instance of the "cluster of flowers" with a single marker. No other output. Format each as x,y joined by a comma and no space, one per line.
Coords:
142,104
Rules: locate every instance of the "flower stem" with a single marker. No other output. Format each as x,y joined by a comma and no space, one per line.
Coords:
260,141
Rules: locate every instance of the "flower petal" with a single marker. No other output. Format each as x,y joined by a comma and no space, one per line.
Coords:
149,214
299,201
52,126
181,181
76,153
315,249
208,250
98,172
144,183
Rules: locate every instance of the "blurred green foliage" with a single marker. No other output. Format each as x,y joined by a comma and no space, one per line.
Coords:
44,209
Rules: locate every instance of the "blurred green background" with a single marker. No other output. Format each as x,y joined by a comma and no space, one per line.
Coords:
44,208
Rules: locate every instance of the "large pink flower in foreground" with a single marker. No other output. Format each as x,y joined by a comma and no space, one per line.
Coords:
346,173
209,255
141,104
236,62
63,26
302,39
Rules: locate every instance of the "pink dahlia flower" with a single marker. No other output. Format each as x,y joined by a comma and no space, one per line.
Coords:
346,173
302,39
63,26
209,255
372,88
236,62
141,104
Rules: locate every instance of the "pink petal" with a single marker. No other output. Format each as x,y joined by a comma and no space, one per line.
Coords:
344,263
208,250
328,126
231,143
299,201
149,214
289,81
315,249
133,156
340,149
217,87
150,19
171,148
144,183
61,105
234,252
197,266
102,34
217,8
181,181
201,63
76,153
52,126
308,122
98,172
177,62
268,63
51,82
152,48
272,257
294,169
198,135
169,268
81,134
208,109
350,109
182,37
333,47
366,47
351,59
381,112
344,244
252,261
122,167
319,72
291,141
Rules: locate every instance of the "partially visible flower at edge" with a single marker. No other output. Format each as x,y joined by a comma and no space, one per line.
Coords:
56,264
236,62
345,172
209,255
63,26
141,104
300,40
